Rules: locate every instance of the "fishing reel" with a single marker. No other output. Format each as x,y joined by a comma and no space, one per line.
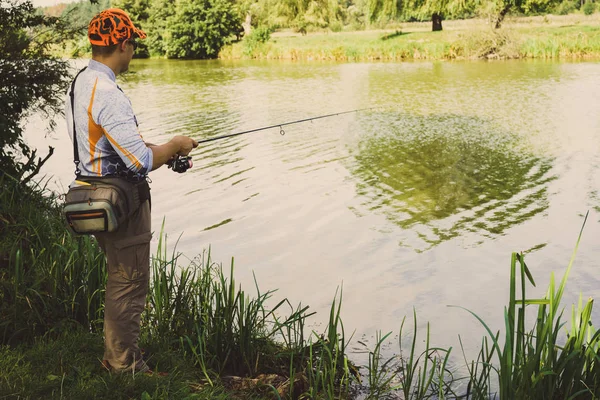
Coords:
180,163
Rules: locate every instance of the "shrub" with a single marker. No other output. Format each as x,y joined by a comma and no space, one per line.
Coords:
30,78
257,37
589,8
336,26
262,34
199,29
566,7
485,44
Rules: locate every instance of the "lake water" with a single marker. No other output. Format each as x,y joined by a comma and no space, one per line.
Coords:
416,203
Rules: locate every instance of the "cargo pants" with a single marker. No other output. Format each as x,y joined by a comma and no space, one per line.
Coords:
127,253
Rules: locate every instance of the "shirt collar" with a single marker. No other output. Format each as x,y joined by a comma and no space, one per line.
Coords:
98,66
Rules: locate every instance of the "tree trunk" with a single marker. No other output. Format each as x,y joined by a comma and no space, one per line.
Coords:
501,16
247,24
436,22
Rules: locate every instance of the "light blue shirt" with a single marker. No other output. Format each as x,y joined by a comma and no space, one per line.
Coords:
108,138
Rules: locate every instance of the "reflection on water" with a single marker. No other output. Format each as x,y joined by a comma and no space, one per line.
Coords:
445,175
183,98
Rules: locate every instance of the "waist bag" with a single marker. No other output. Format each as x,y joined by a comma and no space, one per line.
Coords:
100,204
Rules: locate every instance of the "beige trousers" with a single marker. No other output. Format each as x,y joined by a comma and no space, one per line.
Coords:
127,252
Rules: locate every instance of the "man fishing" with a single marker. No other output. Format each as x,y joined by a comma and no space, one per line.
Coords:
107,143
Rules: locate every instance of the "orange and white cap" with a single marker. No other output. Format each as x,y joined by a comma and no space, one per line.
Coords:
112,26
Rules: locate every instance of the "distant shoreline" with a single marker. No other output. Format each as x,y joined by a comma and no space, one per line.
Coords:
568,37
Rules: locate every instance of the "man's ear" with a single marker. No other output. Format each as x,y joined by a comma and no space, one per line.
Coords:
123,45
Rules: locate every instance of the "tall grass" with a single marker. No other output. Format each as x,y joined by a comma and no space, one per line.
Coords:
48,279
550,360
381,373
412,373
200,310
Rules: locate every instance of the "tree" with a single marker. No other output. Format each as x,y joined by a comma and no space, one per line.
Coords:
139,12
503,7
437,10
159,13
30,79
200,28
79,14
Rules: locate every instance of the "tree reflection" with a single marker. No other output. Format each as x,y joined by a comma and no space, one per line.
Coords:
444,176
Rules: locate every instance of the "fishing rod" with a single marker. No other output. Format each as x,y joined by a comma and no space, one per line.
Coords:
183,163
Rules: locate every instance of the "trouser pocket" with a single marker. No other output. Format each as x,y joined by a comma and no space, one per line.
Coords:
131,258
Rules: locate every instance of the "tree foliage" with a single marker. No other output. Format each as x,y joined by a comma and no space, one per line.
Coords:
30,79
200,28
383,10
139,11
78,15
184,28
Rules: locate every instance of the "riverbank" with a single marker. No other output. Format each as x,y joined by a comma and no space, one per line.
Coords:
216,341
213,339
569,37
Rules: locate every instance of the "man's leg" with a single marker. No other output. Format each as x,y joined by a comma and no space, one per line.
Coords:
128,257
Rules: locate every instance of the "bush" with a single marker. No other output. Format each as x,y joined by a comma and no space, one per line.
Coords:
566,7
486,44
262,34
589,8
336,26
30,78
255,39
300,26
199,29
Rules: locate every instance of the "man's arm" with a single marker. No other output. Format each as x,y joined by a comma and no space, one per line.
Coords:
122,132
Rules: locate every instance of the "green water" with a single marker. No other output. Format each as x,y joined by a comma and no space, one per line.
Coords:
416,203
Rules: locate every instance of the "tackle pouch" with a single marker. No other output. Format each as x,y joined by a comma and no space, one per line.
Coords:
102,204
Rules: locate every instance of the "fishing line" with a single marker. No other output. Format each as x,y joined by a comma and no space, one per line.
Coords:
183,163
280,126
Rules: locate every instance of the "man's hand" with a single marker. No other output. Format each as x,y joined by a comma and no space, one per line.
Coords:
186,144
179,145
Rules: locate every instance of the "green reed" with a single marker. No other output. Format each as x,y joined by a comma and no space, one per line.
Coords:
201,310
535,363
381,375
328,371
170,299
424,374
